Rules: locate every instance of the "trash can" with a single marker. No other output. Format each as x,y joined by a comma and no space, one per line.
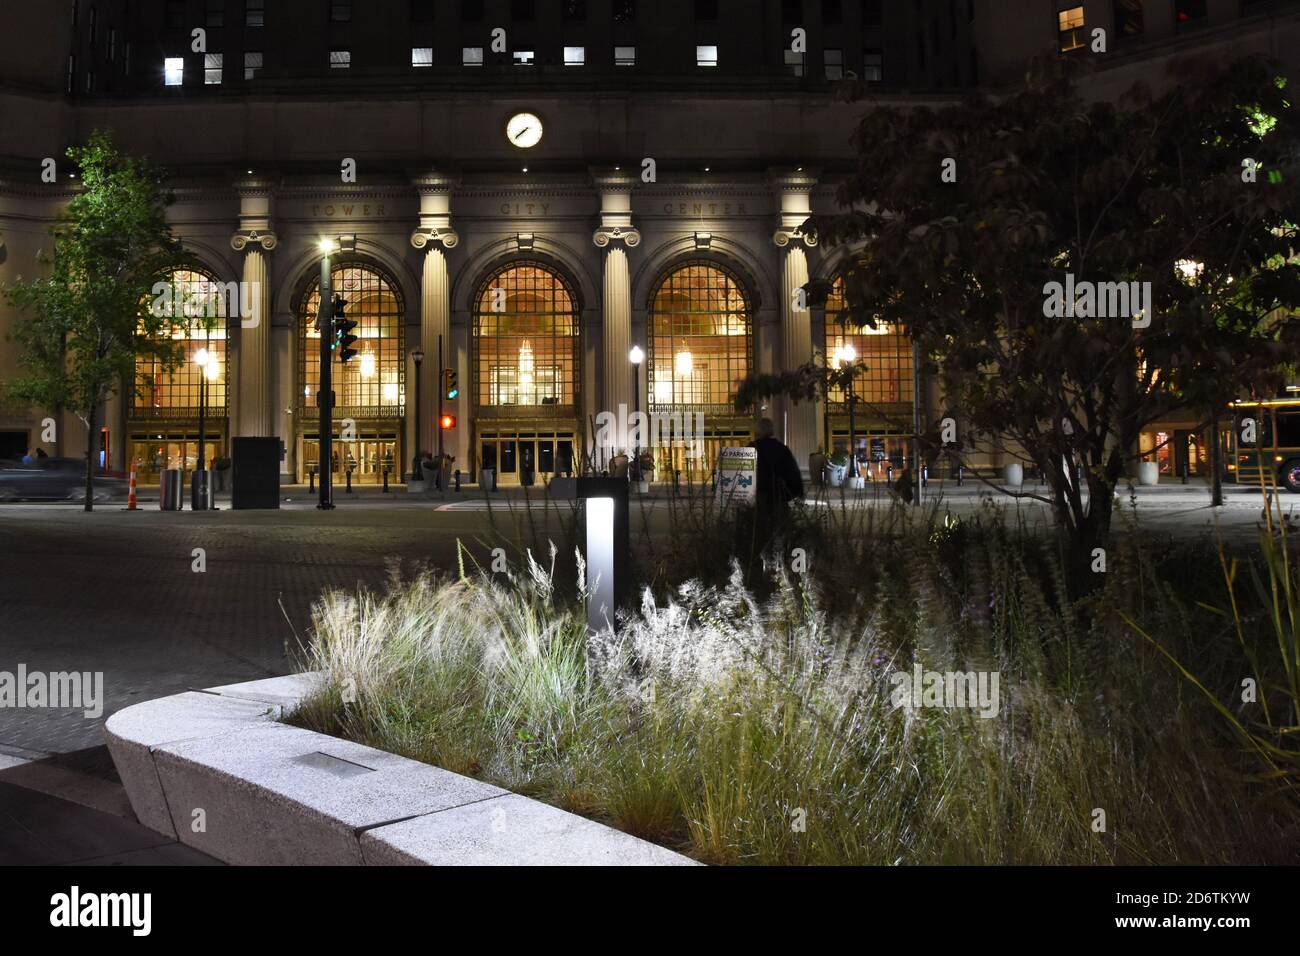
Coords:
200,490
169,491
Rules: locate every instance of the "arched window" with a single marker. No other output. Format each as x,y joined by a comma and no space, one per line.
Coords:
373,384
198,306
526,341
885,352
700,340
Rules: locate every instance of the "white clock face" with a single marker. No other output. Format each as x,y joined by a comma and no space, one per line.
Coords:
524,130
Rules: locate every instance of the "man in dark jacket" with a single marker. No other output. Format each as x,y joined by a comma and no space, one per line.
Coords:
778,479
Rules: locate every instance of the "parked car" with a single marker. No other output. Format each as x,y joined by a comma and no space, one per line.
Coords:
56,479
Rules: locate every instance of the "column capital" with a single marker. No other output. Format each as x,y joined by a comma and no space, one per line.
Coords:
795,186
263,237
605,235
434,182
612,179
444,236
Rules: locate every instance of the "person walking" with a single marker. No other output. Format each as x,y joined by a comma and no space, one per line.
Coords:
778,480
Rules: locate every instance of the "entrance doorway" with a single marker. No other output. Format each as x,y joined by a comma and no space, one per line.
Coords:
527,457
151,454
368,457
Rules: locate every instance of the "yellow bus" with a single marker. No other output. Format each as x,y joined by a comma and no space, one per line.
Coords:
1266,443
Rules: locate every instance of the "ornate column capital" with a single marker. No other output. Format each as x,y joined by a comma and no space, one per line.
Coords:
445,236
795,187
435,191
262,237
605,235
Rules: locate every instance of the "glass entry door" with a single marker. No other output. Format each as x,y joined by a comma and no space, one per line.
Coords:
525,457
367,457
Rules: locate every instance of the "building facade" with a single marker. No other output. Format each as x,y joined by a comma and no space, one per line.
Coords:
533,189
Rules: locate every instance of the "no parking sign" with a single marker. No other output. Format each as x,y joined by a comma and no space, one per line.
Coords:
737,471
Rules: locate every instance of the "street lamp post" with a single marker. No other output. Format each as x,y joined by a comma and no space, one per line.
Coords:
199,483
849,355
418,357
636,356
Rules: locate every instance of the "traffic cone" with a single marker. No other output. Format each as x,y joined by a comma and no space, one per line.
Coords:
130,495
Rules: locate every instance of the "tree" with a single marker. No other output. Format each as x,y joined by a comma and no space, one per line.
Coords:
1036,248
92,314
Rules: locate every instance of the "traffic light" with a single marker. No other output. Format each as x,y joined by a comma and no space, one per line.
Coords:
450,387
343,326
448,422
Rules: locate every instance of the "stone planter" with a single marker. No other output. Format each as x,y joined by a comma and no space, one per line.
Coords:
1148,473
835,474
1013,475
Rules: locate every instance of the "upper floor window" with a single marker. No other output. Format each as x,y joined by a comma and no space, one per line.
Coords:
340,59
523,57
421,56
793,62
873,66
1128,17
624,11
833,12
340,11
213,64
215,13
112,44
175,14
575,56
706,56
834,63
252,64
1070,29
197,308
471,56
94,25
173,71
254,13
625,56
872,13
791,11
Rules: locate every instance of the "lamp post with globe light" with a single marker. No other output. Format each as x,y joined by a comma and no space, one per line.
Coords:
636,356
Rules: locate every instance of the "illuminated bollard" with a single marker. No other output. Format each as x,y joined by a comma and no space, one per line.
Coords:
608,546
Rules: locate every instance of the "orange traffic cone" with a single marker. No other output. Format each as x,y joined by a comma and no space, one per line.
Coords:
130,495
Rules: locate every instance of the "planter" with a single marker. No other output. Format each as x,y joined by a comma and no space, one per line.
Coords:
857,483
618,466
276,795
1148,473
643,487
835,474
1013,475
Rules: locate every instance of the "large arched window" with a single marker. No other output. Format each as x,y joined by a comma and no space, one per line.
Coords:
885,353
526,341
197,306
700,338
373,384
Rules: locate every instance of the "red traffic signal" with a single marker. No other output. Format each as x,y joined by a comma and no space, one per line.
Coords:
448,421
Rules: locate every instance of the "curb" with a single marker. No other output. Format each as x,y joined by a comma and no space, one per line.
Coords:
217,771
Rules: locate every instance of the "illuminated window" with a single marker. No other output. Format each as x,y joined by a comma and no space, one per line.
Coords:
213,67
471,56
706,56
700,338
1128,17
1070,32
526,340
885,352
340,59
173,71
373,384
575,56
625,56
162,392
421,56
252,65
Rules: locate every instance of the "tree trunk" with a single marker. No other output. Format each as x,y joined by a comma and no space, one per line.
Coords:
91,436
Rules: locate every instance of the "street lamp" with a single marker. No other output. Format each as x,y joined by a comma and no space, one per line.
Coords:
848,355
636,356
208,371
417,356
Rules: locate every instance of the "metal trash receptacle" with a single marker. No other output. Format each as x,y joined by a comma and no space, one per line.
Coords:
169,491
201,490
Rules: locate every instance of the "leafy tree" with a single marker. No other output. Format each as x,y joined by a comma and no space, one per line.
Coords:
92,314
968,215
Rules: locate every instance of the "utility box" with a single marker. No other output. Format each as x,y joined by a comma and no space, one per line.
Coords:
255,473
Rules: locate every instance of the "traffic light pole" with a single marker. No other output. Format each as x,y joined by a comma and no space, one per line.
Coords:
442,391
326,396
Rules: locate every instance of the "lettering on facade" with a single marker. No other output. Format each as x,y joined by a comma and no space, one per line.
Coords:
347,209
704,209
525,208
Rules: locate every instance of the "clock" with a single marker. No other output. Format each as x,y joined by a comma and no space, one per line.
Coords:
524,130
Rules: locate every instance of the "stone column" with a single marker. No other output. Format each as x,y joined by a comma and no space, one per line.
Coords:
796,315
252,310
435,236
616,236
